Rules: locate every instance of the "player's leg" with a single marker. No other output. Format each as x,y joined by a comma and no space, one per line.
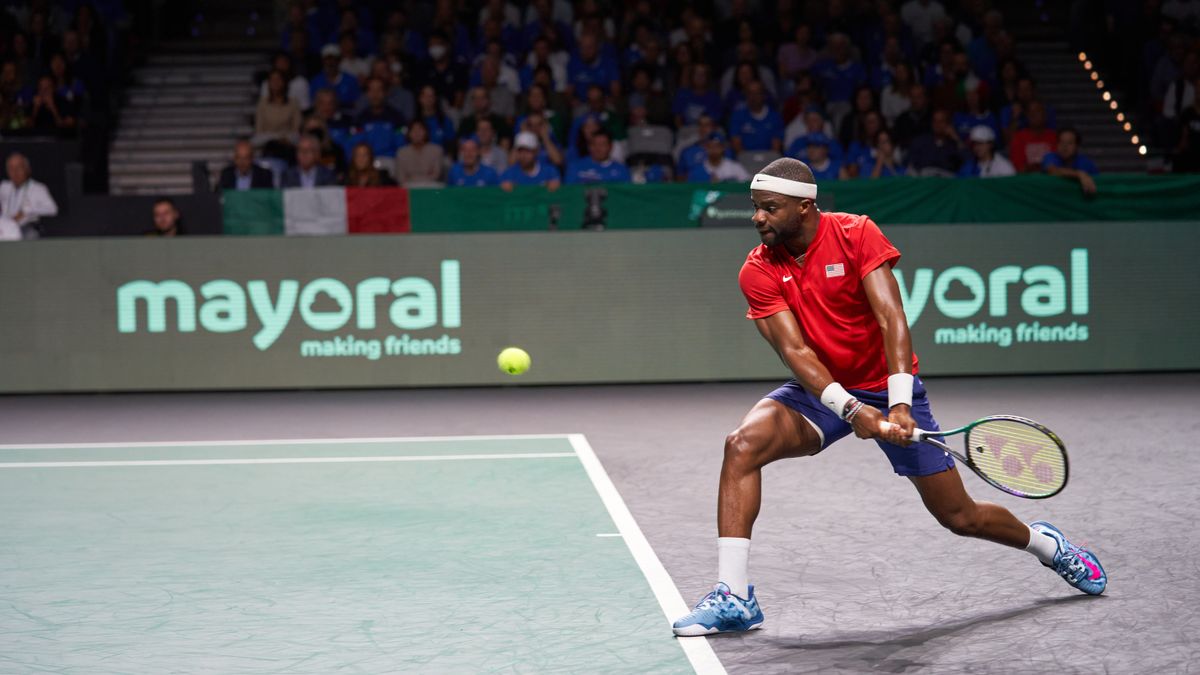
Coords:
776,428
770,431
946,498
932,471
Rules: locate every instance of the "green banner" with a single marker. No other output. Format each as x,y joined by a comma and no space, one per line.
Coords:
893,201
645,306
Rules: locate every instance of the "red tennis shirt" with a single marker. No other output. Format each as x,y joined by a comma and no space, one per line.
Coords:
826,295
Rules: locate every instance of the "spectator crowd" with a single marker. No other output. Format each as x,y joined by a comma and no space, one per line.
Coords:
54,61
550,91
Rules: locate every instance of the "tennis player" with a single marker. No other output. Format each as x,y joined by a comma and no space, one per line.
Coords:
821,292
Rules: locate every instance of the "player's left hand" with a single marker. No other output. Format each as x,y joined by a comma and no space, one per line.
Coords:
902,426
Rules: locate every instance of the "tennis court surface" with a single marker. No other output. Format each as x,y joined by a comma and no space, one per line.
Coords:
452,554
493,565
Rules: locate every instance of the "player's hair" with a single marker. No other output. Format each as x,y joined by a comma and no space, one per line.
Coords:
791,169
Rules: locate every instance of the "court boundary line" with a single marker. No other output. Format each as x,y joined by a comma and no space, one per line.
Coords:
697,649
234,461
279,441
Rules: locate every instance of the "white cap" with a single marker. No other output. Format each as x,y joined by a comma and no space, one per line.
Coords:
331,50
982,134
527,139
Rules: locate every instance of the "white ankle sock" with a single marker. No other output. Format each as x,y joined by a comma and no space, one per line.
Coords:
1041,545
733,564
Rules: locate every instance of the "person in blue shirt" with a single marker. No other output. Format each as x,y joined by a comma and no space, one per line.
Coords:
839,75
527,170
816,155
754,126
588,66
694,154
598,166
883,161
714,166
467,171
1068,163
429,110
975,115
332,77
381,125
697,99
814,125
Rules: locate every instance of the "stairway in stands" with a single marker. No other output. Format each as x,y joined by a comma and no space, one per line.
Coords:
1064,85
191,100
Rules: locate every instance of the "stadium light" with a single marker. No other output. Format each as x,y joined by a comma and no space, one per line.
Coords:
1110,98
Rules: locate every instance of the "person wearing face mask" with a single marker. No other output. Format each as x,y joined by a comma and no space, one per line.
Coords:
447,75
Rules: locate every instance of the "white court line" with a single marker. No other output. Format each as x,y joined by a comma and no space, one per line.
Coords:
697,649
278,441
279,460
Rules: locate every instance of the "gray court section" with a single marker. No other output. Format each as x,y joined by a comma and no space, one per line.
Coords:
854,576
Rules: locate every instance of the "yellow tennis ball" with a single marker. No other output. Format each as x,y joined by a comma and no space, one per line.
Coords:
513,360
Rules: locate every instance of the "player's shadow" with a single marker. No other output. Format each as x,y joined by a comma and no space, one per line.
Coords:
875,650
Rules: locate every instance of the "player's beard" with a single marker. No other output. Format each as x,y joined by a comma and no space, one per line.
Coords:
770,236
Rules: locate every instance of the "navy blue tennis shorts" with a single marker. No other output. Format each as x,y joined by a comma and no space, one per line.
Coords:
918,459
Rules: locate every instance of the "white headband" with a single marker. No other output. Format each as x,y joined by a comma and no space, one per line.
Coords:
784,186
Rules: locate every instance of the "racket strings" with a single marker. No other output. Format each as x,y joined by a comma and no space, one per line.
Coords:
1021,457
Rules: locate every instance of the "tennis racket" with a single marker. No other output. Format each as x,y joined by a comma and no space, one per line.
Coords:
1013,454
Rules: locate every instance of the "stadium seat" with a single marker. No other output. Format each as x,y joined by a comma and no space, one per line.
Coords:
683,138
753,160
650,140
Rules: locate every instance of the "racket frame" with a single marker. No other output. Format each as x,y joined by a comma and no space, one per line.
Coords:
922,436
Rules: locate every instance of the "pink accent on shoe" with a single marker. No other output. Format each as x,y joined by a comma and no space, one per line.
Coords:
1095,570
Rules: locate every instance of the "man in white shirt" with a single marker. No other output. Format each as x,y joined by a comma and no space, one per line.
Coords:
23,200
986,162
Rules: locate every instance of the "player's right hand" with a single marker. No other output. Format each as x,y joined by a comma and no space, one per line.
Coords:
868,423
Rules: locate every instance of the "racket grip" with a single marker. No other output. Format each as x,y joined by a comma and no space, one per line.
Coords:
918,435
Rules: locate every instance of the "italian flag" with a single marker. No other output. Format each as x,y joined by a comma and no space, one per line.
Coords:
316,211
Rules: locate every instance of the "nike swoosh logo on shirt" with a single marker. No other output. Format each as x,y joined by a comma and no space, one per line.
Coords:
788,278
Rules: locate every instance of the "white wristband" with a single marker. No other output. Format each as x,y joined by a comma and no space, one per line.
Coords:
900,387
835,397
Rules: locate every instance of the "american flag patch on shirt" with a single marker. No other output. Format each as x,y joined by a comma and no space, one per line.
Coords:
835,270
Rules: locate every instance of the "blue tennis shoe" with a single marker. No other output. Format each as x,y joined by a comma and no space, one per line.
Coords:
1076,564
721,612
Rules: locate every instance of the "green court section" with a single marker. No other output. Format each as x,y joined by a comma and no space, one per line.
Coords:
441,565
